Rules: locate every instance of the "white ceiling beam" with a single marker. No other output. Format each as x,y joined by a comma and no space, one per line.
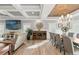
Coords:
46,9
6,13
18,17
24,10
32,10
75,13
20,9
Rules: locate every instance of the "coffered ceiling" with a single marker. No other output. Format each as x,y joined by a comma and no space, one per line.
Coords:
36,11
20,11
63,9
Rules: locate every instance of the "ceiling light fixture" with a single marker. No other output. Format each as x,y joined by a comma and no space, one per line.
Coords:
64,22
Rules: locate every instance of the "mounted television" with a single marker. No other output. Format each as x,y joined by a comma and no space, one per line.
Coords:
13,24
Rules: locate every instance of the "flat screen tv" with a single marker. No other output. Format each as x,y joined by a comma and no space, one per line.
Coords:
13,24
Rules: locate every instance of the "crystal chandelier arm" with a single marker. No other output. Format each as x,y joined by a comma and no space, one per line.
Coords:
64,22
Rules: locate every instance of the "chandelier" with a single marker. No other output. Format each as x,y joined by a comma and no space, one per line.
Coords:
64,22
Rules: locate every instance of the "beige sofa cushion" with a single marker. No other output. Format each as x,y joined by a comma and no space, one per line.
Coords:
2,45
4,50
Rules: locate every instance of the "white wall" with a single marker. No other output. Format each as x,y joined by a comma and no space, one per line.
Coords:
26,26
31,23
49,25
2,27
74,28
53,28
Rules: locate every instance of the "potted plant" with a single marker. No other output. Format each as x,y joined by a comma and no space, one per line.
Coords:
29,33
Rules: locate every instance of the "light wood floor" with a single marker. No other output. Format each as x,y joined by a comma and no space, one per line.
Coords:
37,47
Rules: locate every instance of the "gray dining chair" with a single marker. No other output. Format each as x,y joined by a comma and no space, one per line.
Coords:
52,39
70,34
59,42
69,47
77,35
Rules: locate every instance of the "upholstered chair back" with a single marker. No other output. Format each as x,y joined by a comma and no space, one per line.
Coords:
51,35
58,39
68,45
77,35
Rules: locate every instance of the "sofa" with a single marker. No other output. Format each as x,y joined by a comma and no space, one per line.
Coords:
18,42
4,48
